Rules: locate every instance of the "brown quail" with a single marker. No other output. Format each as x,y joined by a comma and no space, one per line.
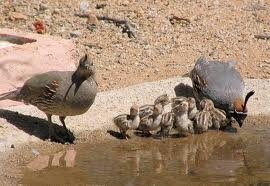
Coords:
62,93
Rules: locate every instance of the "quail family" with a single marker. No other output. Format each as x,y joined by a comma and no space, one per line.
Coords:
61,93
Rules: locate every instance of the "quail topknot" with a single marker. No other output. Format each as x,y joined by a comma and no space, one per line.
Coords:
223,84
62,93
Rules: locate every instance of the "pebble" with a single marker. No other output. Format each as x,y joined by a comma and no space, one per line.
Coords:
92,20
75,34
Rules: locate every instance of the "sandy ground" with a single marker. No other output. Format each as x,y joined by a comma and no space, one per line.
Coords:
25,127
163,47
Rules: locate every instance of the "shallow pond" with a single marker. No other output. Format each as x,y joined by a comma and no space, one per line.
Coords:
213,157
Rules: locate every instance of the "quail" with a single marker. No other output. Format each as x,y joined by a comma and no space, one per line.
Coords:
147,110
192,109
62,93
223,84
166,124
151,122
128,121
203,119
182,123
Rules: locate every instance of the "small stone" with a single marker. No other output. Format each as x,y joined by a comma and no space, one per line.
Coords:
35,152
92,20
12,146
14,16
84,6
75,34
56,11
43,7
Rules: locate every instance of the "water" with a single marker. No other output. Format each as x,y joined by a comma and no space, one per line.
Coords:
210,158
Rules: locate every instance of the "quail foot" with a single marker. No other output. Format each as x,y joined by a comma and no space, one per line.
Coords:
223,84
203,119
62,93
166,124
182,123
151,122
125,122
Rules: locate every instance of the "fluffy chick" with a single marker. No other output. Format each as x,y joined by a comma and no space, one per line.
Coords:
128,121
182,123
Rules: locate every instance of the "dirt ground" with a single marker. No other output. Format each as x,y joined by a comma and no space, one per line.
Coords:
169,34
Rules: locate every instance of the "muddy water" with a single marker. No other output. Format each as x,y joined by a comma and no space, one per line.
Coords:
213,157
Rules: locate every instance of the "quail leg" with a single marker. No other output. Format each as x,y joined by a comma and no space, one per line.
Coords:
51,130
62,119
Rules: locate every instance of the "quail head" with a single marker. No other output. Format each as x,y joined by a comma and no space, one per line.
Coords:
147,110
128,121
62,93
223,84
166,124
151,122
182,123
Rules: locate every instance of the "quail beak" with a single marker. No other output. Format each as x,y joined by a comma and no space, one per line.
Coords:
240,117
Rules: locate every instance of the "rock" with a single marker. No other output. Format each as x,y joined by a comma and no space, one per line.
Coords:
39,163
56,11
70,158
101,6
12,146
56,158
75,34
43,7
14,16
35,152
84,6
92,20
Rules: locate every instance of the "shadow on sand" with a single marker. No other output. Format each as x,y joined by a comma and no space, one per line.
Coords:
35,126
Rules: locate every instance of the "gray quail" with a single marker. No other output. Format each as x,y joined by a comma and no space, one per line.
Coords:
223,84
62,93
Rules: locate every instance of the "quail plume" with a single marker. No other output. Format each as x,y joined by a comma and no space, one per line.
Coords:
223,84
62,93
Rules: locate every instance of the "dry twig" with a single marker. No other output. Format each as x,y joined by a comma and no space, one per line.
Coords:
124,24
260,36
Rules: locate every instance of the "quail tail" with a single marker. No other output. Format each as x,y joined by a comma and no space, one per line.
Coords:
12,95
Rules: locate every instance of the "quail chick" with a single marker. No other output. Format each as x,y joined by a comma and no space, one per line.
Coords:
151,122
62,93
203,119
223,84
128,121
218,116
182,123
147,110
192,109
166,124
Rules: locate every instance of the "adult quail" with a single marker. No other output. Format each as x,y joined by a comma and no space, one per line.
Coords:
182,123
128,121
223,84
62,93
